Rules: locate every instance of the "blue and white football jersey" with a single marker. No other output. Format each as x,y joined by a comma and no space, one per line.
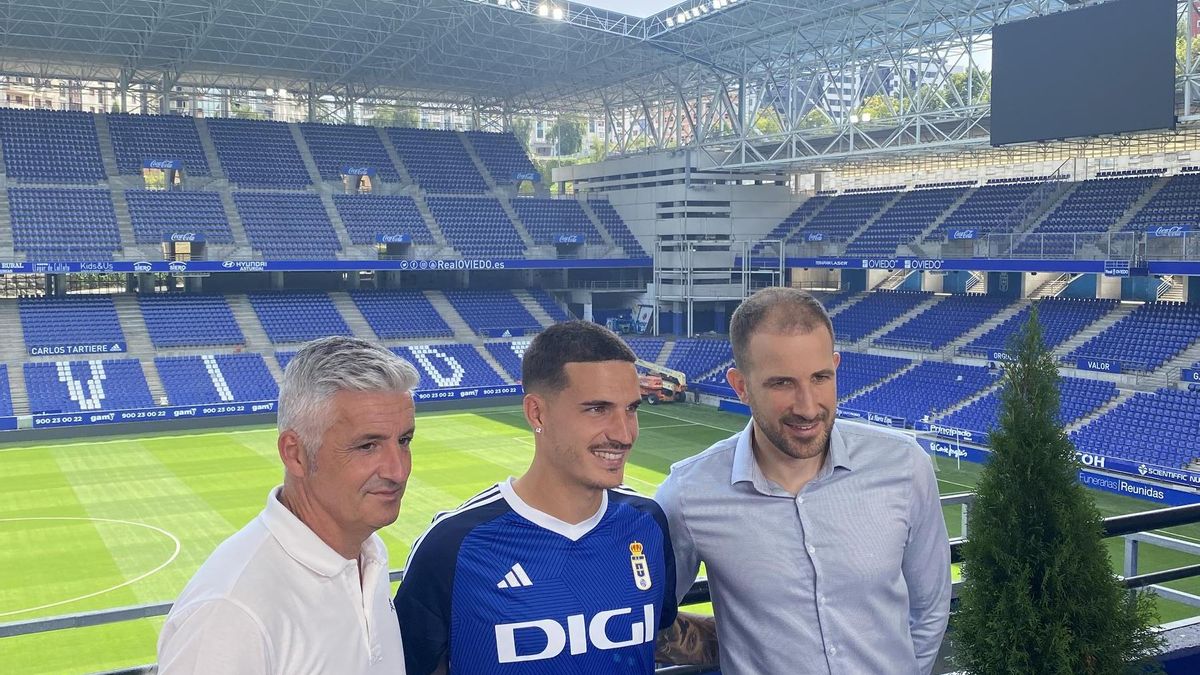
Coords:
499,587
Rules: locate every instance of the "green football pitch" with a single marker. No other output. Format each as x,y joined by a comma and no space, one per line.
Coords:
120,521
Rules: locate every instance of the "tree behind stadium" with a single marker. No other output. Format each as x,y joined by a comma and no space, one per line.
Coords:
1039,595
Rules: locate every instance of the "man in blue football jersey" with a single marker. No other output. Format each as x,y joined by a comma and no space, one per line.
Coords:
562,570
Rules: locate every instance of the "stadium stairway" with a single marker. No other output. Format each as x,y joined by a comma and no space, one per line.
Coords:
129,245
870,222
104,139
350,250
247,319
1122,396
462,332
533,307
405,177
970,399
668,347
1183,359
137,340
1042,212
13,352
214,161
592,216
354,318
314,174
526,238
495,365
479,165
847,304
804,223
908,316
236,227
1093,329
968,337
1141,202
431,223
913,247
1054,287
6,233
846,395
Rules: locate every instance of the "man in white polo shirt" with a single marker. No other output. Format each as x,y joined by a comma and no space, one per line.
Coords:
303,588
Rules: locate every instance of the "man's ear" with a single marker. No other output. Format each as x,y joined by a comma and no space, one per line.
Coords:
535,412
291,451
738,381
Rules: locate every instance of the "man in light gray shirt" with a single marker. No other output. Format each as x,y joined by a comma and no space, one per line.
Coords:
824,543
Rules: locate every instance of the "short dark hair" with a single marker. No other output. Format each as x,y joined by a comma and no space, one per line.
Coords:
776,309
569,342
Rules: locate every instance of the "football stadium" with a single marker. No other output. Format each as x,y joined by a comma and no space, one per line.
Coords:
193,191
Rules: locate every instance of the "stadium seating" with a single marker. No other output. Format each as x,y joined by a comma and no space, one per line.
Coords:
1060,319
297,316
283,358
617,229
857,371
368,215
911,215
491,310
287,225
335,146
400,314
944,322
783,231
509,355
1148,337
189,320
547,218
221,378
991,208
154,213
64,224
697,357
6,406
74,386
502,155
927,389
844,215
137,138
646,348
70,321
1177,203
477,227
1094,206
874,311
1155,428
43,146
831,301
548,303
450,365
258,153
437,160
1079,397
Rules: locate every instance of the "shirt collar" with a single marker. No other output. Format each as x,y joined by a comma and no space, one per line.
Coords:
574,532
305,547
746,469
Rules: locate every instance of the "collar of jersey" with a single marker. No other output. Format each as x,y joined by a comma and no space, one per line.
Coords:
305,547
573,532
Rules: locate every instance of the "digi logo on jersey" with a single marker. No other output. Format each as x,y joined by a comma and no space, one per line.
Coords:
578,635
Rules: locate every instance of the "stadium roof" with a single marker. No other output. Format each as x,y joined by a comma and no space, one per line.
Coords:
511,54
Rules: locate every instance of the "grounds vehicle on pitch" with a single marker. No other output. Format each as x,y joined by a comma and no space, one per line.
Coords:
661,384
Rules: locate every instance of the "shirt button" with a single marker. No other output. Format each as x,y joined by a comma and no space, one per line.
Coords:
812,549
821,599
799,500
833,650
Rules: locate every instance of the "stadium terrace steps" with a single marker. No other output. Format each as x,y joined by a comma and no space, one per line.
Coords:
354,318
462,331
1004,315
870,222
1136,207
1122,396
210,154
971,399
104,137
479,165
518,224
129,244
158,393
596,222
405,178
13,351
1183,359
350,250
247,319
1093,329
236,227
431,223
314,173
846,395
904,318
491,360
531,305
6,233
1047,208
1054,287
665,354
133,324
936,224
850,302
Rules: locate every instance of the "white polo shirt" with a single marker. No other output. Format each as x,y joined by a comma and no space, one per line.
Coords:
274,598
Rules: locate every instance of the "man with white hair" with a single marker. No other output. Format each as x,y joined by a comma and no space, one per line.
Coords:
303,588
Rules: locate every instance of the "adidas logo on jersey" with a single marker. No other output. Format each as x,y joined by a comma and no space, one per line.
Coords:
516,578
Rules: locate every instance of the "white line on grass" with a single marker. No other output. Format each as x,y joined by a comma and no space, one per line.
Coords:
682,419
174,554
950,482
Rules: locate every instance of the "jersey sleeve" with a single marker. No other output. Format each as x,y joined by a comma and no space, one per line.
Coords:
423,603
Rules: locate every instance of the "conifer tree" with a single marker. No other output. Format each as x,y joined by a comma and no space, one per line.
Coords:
1039,595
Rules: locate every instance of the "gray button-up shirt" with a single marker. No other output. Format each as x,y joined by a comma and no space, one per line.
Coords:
851,575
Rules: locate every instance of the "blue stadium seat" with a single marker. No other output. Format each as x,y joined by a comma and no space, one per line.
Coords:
287,226
256,153
57,224
1060,319
903,221
74,386
927,389
696,357
400,314
437,160
69,321
221,378
6,406
876,310
784,230
646,348
297,316
945,322
137,138
617,229
447,366
502,155
548,303
857,371
335,146
477,227
844,214
154,213
1078,397
189,320
509,355
368,215
486,310
1148,337
1156,428
45,146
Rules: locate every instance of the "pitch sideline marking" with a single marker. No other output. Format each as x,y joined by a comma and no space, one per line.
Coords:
134,580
